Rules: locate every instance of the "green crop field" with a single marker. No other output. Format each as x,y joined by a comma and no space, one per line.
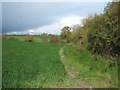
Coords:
54,65
73,45
33,65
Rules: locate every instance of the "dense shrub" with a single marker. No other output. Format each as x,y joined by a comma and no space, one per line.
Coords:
12,38
54,39
62,41
4,37
99,33
45,39
77,35
7,37
104,35
29,38
65,33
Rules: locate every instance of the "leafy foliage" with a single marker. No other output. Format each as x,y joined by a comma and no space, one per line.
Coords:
65,32
99,33
29,38
104,35
4,37
54,39
45,39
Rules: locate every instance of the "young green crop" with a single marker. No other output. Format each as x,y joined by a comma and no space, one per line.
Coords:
38,65
28,64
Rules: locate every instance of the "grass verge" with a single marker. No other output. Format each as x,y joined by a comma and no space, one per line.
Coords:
91,70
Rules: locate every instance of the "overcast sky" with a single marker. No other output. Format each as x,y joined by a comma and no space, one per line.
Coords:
48,17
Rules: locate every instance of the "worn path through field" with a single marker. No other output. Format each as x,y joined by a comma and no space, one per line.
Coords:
69,72
75,83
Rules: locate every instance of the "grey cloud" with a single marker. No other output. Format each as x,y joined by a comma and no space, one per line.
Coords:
28,15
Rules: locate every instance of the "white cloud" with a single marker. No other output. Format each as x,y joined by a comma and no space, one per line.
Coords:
54,28
70,20
30,30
